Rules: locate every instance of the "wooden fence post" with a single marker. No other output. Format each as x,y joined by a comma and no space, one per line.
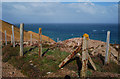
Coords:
21,38
48,39
13,36
5,38
11,40
30,39
40,42
57,39
107,48
84,57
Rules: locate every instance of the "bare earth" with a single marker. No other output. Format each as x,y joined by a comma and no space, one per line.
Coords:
9,71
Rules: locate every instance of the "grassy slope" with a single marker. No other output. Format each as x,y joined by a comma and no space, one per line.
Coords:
49,63
32,66
8,27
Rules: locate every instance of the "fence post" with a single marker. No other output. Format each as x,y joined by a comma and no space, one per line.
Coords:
5,38
107,48
11,40
13,36
48,39
84,57
57,39
40,42
21,38
30,39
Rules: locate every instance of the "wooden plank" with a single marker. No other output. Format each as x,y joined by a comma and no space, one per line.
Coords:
107,47
21,38
92,63
84,57
93,52
115,60
5,38
40,42
13,36
70,56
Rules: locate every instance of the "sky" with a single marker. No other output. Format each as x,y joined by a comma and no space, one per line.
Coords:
60,12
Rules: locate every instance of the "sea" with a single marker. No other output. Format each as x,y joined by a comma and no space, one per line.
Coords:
65,31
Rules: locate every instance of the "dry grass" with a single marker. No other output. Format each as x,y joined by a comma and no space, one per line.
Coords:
8,27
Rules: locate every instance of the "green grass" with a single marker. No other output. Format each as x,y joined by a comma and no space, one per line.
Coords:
48,63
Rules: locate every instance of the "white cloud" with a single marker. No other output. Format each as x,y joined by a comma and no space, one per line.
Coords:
61,12
60,0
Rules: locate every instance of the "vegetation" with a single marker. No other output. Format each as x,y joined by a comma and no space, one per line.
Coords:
30,64
33,66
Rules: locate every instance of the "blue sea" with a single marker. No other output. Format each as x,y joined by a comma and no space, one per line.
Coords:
70,30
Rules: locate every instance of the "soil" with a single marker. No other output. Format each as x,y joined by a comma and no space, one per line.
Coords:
9,71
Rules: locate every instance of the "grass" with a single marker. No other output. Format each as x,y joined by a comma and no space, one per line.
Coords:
33,66
30,64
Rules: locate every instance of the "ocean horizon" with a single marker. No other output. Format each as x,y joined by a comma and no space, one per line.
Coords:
65,31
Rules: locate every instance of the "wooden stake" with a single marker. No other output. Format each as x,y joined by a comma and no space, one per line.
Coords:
107,47
109,55
30,39
70,56
57,39
92,63
84,58
21,38
13,36
5,38
93,52
40,42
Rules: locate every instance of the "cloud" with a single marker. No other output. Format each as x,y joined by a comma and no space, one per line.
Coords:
60,0
55,12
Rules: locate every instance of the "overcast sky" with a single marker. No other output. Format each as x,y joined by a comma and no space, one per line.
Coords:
60,12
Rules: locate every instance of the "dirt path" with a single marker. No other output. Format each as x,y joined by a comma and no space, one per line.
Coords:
9,71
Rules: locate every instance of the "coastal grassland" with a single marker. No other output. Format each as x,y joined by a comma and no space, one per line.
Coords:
8,27
30,64
33,66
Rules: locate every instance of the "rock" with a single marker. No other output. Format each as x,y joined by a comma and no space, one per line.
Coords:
35,66
48,72
11,73
61,68
30,61
117,46
31,64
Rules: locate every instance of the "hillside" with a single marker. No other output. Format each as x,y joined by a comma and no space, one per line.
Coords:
8,27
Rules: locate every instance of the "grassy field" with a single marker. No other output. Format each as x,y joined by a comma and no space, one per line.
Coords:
33,66
30,64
